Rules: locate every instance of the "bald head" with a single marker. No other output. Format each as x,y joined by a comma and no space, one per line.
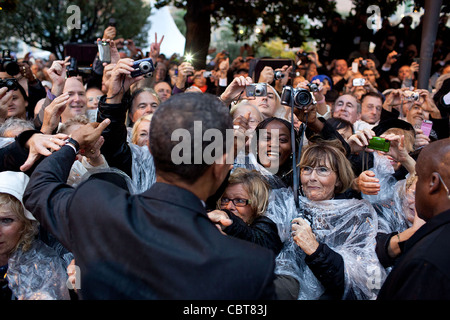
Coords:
433,173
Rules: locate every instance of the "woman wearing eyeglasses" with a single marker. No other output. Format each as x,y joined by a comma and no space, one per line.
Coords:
329,240
242,208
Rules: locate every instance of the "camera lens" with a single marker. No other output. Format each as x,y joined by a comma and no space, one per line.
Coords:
302,98
144,66
11,67
279,75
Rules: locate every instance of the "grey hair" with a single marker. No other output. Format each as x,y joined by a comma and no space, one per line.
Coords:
15,123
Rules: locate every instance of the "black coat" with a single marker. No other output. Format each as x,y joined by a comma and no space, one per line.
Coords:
423,270
156,245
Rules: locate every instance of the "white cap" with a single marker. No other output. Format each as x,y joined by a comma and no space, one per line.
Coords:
14,183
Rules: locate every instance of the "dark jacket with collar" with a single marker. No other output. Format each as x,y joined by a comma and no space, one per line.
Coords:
423,270
156,245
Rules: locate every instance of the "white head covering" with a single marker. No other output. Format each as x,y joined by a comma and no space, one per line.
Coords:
14,183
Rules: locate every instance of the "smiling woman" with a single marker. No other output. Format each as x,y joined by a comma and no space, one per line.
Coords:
328,242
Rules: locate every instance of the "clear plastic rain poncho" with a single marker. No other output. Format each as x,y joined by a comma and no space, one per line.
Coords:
249,161
389,203
347,226
37,274
143,170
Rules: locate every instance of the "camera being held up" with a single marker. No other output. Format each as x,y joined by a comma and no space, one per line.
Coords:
11,84
143,67
9,64
256,90
298,97
278,75
411,95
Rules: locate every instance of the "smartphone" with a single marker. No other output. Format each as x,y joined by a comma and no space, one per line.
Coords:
355,67
104,51
381,144
426,127
357,82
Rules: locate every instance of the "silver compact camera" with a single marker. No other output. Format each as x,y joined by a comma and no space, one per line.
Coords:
411,95
142,67
256,90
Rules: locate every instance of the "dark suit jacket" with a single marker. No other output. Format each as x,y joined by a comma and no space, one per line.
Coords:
423,271
156,245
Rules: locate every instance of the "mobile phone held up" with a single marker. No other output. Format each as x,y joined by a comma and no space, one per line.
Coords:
380,144
104,51
426,127
358,82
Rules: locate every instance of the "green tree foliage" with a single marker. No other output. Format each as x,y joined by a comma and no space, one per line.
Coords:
282,19
43,23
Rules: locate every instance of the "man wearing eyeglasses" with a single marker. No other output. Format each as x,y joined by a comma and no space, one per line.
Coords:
423,273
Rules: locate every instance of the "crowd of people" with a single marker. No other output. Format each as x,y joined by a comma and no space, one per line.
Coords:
334,185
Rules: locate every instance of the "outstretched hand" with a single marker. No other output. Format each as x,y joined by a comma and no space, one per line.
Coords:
39,145
220,219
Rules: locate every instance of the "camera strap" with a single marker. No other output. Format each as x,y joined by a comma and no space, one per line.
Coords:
296,154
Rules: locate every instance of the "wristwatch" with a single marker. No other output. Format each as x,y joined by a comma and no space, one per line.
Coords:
73,143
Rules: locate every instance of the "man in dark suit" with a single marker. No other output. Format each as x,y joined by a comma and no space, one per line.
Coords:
159,244
423,272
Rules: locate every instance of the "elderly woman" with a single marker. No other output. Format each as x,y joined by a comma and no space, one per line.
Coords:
329,242
244,204
29,269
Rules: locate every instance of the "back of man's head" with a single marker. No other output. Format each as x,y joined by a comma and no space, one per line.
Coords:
432,193
183,120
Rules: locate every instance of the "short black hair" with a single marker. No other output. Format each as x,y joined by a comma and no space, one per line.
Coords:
179,112
372,94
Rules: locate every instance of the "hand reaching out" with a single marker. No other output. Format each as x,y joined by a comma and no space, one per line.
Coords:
220,219
39,145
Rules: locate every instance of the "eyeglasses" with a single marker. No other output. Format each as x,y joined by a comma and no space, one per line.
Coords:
237,202
445,186
91,99
321,171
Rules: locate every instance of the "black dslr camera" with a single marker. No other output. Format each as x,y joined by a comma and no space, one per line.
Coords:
11,84
9,64
301,98
143,67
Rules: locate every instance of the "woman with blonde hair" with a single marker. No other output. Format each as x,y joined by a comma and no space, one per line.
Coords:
29,269
141,130
241,210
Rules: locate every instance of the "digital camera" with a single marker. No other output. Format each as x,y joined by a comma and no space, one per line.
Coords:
104,51
381,144
411,95
256,90
278,75
300,97
9,64
11,84
313,87
143,67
